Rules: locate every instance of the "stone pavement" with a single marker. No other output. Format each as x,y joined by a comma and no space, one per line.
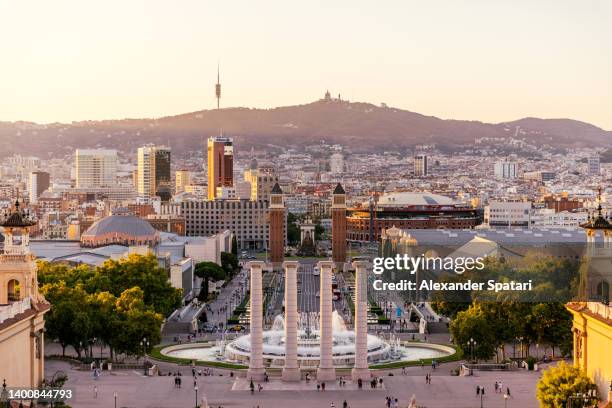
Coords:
136,391
244,384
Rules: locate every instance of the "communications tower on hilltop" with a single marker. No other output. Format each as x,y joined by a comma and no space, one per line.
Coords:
218,88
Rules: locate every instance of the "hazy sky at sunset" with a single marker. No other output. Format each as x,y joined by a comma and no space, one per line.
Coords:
490,60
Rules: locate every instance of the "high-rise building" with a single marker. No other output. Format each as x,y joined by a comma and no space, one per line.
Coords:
277,226
39,182
96,168
182,179
506,169
594,167
339,225
336,163
262,179
154,171
420,165
220,164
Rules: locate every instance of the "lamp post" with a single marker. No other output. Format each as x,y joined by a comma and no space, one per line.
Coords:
115,397
472,346
196,396
4,393
145,345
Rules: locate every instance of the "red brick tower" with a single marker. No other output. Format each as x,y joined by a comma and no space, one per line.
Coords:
339,226
277,226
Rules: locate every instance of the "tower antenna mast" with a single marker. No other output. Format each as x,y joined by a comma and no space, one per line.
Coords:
218,88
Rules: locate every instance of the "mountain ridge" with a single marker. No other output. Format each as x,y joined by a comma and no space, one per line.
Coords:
360,125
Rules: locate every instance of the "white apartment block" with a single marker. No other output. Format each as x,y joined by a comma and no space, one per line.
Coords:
506,170
96,168
508,214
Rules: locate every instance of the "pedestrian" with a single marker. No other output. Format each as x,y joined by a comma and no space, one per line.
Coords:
322,386
259,387
508,391
482,391
477,390
318,387
345,404
496,386
95,391
252,386
501,387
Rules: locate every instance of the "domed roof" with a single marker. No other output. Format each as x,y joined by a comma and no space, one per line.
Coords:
121,224
408,198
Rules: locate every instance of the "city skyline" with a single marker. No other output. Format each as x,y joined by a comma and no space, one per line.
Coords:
162,60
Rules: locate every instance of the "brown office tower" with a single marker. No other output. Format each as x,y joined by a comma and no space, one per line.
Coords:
220,164
339,226
277,226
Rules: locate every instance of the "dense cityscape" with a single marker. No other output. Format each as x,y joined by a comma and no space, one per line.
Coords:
190,218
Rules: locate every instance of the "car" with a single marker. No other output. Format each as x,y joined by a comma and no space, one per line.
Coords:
315,271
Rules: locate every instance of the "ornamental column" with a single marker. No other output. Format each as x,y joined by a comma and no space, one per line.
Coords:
256,369
291,371
339,226
360,370
326,370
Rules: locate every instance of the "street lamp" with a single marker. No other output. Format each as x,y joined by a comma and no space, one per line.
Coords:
115,396
196,396
472,345
145,345
4,393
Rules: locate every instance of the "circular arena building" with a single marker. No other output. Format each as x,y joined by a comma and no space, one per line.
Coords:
127,230
408,210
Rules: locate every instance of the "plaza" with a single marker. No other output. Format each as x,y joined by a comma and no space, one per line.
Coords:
137,391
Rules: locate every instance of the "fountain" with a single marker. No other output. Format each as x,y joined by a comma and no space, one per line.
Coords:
379,350
309,339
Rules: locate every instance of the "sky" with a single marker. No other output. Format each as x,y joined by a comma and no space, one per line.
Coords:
489,60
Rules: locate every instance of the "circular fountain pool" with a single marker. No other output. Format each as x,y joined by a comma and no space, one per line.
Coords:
238,350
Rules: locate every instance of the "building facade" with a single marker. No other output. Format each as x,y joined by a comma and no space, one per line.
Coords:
220,164
22,308
96,168
420,165
153,177
38,183
406,210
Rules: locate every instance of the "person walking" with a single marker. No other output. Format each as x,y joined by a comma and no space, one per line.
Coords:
345,404
477,390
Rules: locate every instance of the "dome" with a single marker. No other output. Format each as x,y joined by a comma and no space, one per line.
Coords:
409,199
122,230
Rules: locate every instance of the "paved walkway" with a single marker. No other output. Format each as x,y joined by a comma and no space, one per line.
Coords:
136,391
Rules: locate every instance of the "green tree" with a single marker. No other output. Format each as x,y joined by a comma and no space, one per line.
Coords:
141,271
293,231
229,263
560,382
473,324
234,245
135,322
68,321
209,271
552,324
